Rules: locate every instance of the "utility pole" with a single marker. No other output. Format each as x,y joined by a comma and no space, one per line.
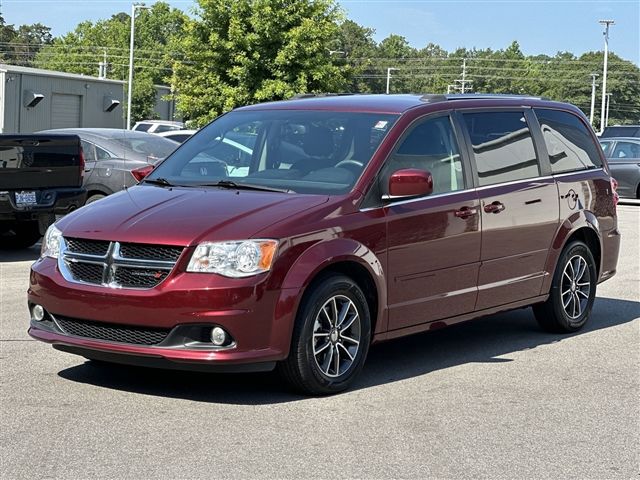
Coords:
607,24
460,85
134,7
102,66
389,70
593,96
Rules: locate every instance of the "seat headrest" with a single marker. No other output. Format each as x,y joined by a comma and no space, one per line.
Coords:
318,142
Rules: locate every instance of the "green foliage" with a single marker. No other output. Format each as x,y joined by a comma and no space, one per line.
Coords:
19,46
82,50
247,51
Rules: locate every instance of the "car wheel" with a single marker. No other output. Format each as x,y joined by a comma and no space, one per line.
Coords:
330,338
573,291
94,198
22,235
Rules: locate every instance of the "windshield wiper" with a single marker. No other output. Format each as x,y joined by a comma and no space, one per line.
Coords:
159,181
244,186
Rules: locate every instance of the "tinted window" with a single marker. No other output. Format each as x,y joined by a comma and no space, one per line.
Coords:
568,141
431,146
102,154
626,150
142,127
502,146
301,151
622,131
606,147
165,128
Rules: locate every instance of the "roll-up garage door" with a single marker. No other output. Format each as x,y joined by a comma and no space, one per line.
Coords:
66,110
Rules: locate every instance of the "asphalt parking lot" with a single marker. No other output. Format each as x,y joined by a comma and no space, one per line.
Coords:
493,398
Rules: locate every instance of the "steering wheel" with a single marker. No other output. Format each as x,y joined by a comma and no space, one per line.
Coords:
346,163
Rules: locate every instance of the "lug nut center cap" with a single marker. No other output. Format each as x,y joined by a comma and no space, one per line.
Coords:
333,336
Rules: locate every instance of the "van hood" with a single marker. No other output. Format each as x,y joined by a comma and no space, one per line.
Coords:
183,215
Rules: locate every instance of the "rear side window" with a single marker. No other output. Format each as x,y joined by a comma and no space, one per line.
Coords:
502,146
568,141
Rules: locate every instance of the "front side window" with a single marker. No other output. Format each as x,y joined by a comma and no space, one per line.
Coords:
569,143
626,150
502,146
300,151
431,146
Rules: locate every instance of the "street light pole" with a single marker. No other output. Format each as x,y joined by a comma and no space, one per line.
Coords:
134,7
606,117
593,96
389,78
607,24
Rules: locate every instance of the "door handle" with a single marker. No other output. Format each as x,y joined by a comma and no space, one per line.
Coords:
465,212
495,207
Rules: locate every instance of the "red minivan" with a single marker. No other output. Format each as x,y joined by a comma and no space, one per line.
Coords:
295,234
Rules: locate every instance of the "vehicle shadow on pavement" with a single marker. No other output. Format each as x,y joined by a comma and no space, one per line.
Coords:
479,341
21,255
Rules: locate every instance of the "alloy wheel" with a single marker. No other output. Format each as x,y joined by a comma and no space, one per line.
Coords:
575,287
336,336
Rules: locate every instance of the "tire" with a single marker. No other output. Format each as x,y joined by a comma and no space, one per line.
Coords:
573,291
324,359
94,198
22,235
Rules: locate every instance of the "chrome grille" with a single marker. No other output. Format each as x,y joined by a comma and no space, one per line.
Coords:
111,332
118,265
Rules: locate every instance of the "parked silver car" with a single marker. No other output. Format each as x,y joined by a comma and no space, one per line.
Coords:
112,156
623,154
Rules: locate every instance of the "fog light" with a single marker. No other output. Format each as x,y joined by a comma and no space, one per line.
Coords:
37,312
218,336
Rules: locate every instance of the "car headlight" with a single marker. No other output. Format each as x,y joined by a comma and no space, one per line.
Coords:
51,243
242,258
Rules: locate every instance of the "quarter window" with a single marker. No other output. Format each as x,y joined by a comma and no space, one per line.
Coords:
502,146
431,146
569,143
88,151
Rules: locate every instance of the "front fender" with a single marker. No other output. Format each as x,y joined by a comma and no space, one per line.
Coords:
305,269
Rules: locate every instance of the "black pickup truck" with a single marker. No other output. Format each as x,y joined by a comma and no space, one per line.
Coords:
40,177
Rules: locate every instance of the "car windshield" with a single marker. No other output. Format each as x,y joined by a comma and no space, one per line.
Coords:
311,151
147,145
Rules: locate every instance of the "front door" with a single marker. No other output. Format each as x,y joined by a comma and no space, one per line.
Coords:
519,207
433,241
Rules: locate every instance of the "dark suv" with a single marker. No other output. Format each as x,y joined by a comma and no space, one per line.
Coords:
295,234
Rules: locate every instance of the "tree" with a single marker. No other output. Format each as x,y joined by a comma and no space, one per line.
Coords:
247,51
19,46
82,50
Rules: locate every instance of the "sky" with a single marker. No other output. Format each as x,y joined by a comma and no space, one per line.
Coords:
540,26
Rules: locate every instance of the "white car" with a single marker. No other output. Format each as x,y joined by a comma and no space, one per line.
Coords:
157,126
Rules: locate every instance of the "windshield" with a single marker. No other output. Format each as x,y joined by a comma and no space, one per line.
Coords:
316,152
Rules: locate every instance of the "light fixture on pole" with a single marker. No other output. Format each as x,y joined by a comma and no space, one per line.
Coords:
389,70
607,24
134,7
593,96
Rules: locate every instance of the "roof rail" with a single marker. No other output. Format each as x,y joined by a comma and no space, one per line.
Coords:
433,98
316,95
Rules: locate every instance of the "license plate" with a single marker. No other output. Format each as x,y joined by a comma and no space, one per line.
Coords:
26,198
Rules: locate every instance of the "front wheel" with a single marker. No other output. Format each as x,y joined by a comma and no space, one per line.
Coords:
573,291
330,339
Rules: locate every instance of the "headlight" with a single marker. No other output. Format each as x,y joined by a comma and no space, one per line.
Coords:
234,259
51,243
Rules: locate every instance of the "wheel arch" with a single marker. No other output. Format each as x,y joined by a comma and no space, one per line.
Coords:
342,256
581,226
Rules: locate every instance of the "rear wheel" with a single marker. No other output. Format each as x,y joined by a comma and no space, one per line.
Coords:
330,339
573,291
21,235
94,198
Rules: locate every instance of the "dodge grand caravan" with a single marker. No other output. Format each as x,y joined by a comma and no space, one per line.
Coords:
295,234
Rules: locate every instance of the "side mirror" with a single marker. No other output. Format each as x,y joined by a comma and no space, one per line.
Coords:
409,182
